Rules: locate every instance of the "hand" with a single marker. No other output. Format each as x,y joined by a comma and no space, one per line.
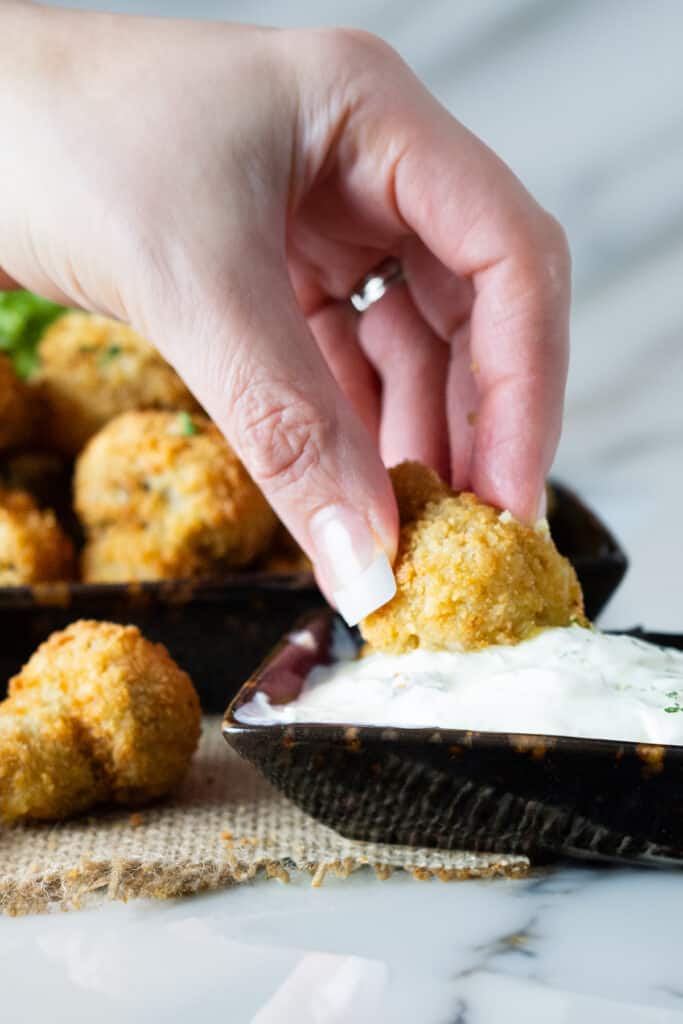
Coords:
223,189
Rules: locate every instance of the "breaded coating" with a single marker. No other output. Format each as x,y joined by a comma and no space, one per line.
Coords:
18,408
163,496
468,575
98,714
33,546
45,768
118,554
91,369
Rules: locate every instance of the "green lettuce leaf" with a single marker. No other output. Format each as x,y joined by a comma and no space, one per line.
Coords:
23,318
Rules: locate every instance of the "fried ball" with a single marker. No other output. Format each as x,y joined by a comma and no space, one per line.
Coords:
45,768
163,496
91,369
18,408
33,546
112,554
120,554
97,714
468,575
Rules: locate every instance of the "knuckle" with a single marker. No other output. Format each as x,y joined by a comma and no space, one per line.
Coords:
281,434
557,246
356,48
543,267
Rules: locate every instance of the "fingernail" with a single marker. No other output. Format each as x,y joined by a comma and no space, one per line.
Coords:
354,566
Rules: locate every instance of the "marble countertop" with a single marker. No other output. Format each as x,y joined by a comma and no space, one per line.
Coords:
575,944
585,101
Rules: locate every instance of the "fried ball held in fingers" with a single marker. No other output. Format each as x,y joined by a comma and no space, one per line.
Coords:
162,495
98,714
93,368
33,546
467,574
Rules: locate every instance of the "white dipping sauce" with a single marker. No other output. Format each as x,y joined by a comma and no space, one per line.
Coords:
564,682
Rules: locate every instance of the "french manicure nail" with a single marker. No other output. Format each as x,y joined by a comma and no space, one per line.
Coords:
356,570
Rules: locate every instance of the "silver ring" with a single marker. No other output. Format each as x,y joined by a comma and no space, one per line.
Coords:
376,284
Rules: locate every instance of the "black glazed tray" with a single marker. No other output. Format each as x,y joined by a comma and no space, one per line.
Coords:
590,546
220,631
537,795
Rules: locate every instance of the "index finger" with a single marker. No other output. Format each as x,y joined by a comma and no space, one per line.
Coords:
471,211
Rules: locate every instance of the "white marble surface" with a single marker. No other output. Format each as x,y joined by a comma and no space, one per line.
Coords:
585,101
578,944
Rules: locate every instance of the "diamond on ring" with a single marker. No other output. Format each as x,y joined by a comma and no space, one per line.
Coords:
376,284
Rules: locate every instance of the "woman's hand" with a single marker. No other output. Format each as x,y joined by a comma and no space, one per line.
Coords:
223,189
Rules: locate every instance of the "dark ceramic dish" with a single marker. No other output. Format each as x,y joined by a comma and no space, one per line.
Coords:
538,795
590,546
220,631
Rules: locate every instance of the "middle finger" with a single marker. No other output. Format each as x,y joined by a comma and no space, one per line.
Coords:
412,363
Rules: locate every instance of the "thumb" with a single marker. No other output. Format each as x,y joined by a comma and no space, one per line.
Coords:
258,371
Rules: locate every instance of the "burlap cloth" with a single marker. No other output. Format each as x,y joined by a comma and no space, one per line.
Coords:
224,826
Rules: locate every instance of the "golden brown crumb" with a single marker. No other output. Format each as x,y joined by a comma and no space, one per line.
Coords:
18,407
119,554
33,547
45,769
468,575
136,819
163,496
91,369
97,714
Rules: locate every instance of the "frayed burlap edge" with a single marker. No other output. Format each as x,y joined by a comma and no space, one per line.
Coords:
226,826
125,880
